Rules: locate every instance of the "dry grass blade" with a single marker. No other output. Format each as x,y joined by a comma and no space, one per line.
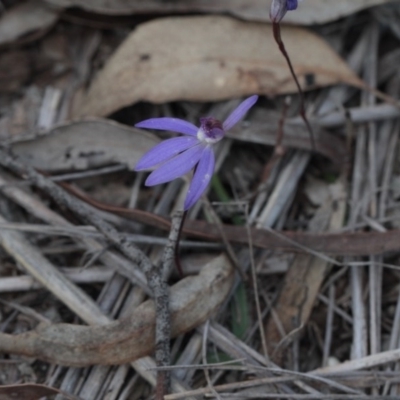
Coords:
374,360
77,275
305,276
49,276
40,211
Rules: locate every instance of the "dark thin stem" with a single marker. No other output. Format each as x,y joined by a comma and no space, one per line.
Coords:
278,38
176,253
163,315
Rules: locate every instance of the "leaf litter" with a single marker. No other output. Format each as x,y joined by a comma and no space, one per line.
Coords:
339,237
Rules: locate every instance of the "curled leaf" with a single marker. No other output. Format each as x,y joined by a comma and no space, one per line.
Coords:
26,21
84,144
192,301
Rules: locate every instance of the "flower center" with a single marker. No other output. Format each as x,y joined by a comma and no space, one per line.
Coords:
211,130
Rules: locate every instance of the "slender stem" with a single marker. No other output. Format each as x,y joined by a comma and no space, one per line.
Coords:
176,252
278,38
163,314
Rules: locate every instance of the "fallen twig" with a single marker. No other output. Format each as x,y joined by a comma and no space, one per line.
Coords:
345,244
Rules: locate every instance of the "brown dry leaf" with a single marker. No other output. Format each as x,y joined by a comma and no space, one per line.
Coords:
310,11
207,59
85,144
31,18
30,391
192,301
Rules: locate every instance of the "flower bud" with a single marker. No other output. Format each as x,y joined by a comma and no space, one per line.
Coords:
280,7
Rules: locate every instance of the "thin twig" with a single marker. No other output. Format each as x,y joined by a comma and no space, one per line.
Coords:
223,365
204,357
329,325
228,247
255,286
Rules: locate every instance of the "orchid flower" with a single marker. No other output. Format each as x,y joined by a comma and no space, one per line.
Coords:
280,7
177,156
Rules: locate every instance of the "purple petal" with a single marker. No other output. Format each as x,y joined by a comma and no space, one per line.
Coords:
239,112
164,151
176,167
278,10
201,178
169,124
291,4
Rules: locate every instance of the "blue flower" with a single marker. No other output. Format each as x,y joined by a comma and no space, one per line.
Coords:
280,7
177,156
291,4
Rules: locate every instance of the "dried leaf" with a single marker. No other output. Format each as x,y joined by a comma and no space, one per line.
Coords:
30,391
192,301
310,12
207,59
85,144
32,17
